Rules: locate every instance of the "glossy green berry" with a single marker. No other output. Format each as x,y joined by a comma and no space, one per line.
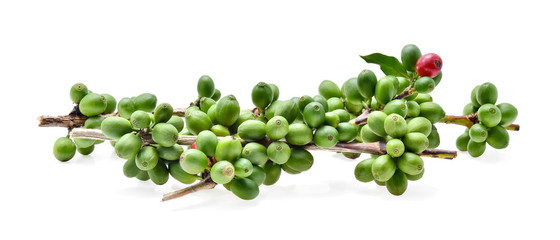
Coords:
145,102
422,98
409,56
385,90
376,122
299,134
416,142
469,108
351,91
126,107
86,150
347,132
277,127
395,147
115,127
244,115
83,142
278,152
143,175
275,92
498,137
206,141
462,141
354,107
255,152
509,114
147,158
329,89
287,109
351,155
272,173
413,109
415,177
130,169
159,174
300,160
93,122
128,146
419,124
478,133
410,163
163,113
177,122
205,86
363,172
433,138
326,136
165,134
262,95
217,95
397,184
77,92
170,153
227,110
206,103
366,83
179,174
194,161
334,103
220,130
489,115
92,104
222,172
395,125
258,175
343,115
323,101
369,136
244,188
243,167
252,130
140,119
403,84
474,99
228,149
424,85
303,101
432,111
314,114
64,149
397,106
197,121
111,103
438,77
487,93
476,149
383,168
332,119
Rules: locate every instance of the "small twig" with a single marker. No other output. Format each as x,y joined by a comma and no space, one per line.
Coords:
205,184
470,120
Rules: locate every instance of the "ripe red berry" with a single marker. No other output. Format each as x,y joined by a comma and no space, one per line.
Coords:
193,146
429,65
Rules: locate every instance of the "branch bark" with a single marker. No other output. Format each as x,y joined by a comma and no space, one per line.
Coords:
205,184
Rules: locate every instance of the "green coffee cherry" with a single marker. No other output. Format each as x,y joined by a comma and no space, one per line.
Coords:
314,114
287,109
255,152
410,163
277,127
397,106
303,101
77,92
347,132
159,174
205,86
369,136
140,119
403,84
278,152
498,137
509,114
228,149
489,115
415,177
252,130
363,172
92,104
299,134
262,95
409,56
334,103
93,122
217,95
326,136
128,146
478,133
83,142
354,107
300,160
397,184
432,111
130,169
220,130
244,115
462,141
244,188
476,149
145,102
395,147
243,167
385,90
351,91
179,174
424,85
170,153
275,92
272,173
206,141
115,127
332,119
433,138
366,83
329,89
206,103
376,122
177,122
163,113
64,149
383,168
487,93
419,124
86,150
416,142
343,115
147,158
474,94
422,98
165,134
111,103
258,175
197,121
351,155
438,77
143,176
227,110
323,101
126,107
194,161
395,125
469,108
222,172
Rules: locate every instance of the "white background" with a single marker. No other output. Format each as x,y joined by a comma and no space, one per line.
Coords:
129,47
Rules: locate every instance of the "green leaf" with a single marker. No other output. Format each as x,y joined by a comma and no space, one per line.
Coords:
389,65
